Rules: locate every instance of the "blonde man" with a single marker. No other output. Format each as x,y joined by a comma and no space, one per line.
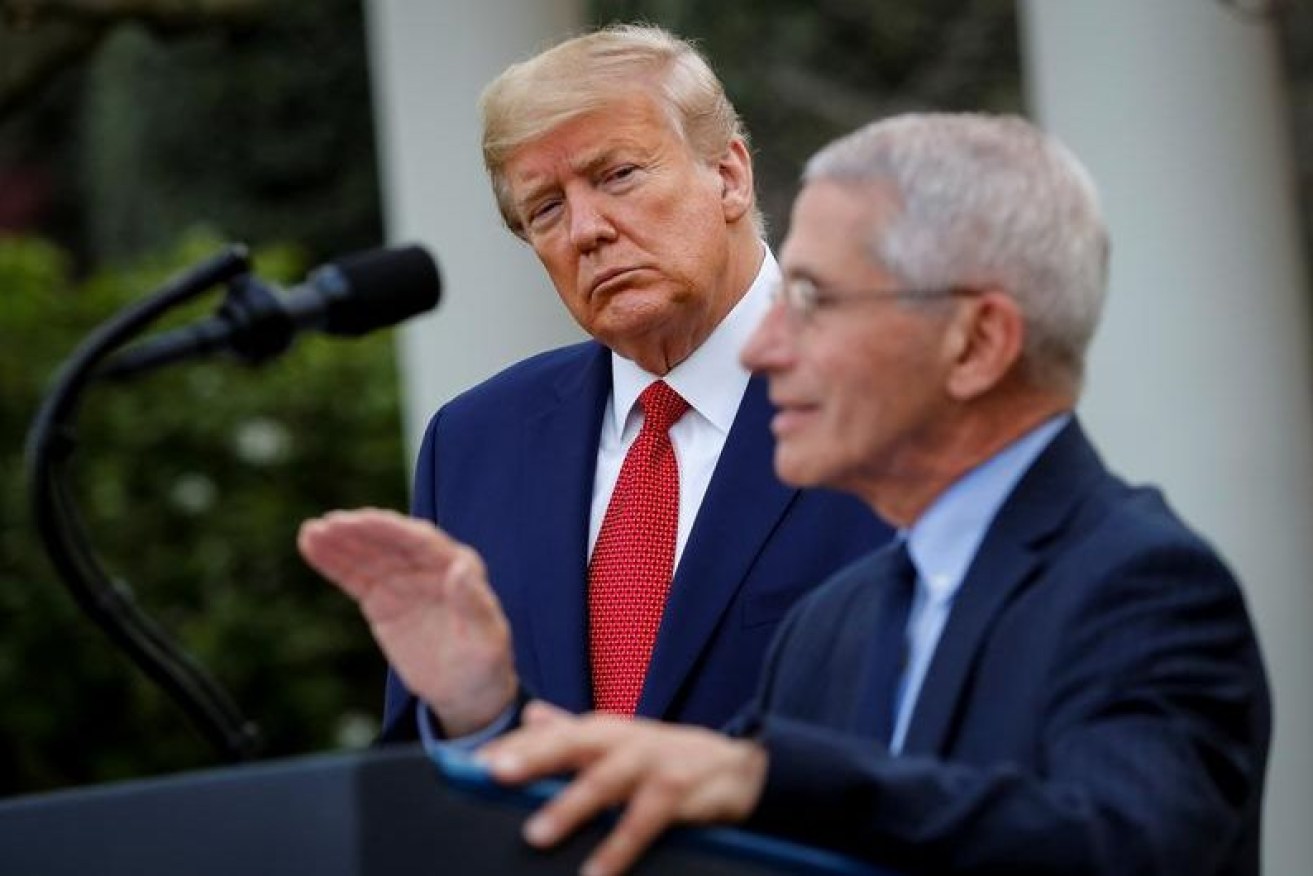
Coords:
570,562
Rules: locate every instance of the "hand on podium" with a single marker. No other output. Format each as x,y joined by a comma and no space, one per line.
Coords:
661,774
429,606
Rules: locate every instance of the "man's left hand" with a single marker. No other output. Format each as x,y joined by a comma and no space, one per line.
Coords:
662,774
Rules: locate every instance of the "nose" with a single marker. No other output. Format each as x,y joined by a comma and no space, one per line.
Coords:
589,224
771,347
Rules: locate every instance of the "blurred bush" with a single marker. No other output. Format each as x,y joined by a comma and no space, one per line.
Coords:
192,482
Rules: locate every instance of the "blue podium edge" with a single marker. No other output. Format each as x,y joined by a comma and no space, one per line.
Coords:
461,771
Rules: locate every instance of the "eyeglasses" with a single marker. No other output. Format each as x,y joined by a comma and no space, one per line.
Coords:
804,298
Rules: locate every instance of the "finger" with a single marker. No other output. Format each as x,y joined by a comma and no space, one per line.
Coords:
321,545
333,542
360,550
605,783
466,581
504,755
414,557
611,779
399,540
652,809
543,712
546,748
376,525
355,519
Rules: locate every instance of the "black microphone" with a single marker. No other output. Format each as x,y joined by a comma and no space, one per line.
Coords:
351,296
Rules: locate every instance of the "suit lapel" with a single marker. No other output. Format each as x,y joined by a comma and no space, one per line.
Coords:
560,455
743,504
1009,557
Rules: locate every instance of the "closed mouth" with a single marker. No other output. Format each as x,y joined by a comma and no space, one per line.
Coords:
607,277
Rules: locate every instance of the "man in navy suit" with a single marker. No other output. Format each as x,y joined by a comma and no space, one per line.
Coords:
619,159
1070,682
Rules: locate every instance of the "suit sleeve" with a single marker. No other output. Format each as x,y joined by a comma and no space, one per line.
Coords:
424,496
1149,759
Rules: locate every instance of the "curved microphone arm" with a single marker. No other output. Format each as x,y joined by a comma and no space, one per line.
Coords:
51,442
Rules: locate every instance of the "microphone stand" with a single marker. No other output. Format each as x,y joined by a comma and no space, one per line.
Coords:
50,445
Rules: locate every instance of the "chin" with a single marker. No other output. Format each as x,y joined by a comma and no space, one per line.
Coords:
793,471
628,323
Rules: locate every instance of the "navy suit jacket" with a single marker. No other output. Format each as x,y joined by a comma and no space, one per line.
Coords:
1096,704
508,468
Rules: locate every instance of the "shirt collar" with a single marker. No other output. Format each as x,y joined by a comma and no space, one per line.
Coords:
711,379
944,540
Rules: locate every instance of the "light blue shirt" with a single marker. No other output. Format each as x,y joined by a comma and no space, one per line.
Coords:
943,542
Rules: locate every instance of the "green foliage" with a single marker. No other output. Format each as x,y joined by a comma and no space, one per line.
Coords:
264,130
155,116
192,482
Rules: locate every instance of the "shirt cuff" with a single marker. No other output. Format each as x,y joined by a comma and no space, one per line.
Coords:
435,741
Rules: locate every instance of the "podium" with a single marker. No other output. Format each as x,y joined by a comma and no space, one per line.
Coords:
385,811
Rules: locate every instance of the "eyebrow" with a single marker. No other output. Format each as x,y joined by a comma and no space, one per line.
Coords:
585,166
593,163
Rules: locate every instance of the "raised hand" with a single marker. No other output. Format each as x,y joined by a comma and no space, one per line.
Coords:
427,600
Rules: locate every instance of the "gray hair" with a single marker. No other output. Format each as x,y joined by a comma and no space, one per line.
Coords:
988,199
583,74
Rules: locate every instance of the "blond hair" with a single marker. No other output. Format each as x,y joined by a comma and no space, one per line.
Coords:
585,73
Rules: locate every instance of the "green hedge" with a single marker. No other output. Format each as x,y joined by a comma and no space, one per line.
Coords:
192,482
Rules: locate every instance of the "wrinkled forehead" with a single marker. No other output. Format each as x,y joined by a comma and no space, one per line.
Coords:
538,108
634,129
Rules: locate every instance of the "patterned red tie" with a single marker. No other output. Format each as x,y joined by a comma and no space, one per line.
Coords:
634,558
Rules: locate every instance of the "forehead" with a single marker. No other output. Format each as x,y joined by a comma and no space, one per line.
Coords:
633,126
833,227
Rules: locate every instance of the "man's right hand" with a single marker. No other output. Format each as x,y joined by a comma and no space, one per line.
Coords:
429,606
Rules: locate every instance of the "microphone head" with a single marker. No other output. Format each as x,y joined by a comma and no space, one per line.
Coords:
377,289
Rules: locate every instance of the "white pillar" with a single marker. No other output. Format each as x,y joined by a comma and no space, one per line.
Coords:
430,61
1200,375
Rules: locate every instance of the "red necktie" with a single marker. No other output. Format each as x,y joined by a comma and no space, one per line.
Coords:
634,558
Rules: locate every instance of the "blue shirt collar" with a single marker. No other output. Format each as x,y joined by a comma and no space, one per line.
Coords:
944,540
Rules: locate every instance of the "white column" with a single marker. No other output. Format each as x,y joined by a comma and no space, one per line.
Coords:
429,62
1200,375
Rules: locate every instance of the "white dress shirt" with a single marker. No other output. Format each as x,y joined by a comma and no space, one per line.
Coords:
711,380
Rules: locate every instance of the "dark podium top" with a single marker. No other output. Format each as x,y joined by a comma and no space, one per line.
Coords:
361,814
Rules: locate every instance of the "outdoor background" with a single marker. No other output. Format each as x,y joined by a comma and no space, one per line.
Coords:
134,143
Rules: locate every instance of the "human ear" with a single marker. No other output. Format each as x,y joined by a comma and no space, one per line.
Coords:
735,170
983,343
